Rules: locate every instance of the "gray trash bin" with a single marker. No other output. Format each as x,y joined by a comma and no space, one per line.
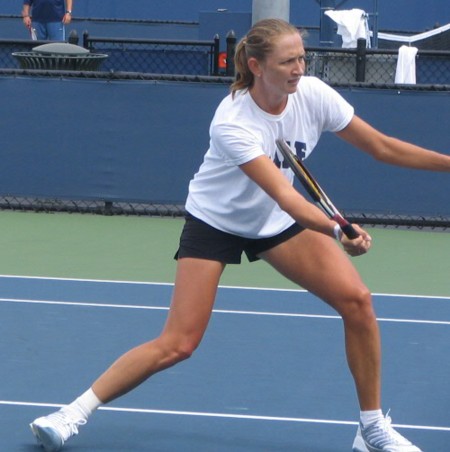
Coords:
60,56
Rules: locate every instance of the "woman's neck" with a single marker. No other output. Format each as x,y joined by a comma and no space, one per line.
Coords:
270,103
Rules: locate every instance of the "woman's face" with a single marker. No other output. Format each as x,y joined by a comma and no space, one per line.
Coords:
282,69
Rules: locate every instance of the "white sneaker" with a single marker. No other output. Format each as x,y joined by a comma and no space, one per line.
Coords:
381,437
54,430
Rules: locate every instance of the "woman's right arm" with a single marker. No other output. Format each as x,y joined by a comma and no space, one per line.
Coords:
264,172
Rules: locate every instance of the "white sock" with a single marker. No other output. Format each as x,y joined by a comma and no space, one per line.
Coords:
370,417
86,404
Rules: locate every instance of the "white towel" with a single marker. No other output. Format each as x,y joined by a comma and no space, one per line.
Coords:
413,38
406,65
352,25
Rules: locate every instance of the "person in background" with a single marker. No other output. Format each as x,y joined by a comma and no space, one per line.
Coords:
46,19
242,200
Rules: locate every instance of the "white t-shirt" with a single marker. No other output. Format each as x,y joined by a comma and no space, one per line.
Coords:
221,194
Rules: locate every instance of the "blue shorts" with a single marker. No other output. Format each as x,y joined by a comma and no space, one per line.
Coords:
199,239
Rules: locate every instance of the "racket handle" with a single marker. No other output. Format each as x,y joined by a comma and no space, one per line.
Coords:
349,231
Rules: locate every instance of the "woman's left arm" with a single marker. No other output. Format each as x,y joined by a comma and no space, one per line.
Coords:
392,150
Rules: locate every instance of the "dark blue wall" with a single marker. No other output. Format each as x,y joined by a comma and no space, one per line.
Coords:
142,141
407,15
361,185
135,141
12,28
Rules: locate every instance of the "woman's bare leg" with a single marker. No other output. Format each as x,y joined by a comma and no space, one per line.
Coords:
192,302
319,265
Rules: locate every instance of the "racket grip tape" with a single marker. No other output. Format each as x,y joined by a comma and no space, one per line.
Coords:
349,231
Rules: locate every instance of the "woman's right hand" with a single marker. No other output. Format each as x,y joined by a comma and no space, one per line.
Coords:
358,246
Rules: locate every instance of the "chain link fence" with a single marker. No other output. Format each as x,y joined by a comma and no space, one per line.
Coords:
8,47
133,55
375,66
20,203
437,223
203,58
157,56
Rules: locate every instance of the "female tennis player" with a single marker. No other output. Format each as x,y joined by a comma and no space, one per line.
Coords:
242,200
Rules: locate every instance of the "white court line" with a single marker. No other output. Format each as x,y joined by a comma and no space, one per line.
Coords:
273,289
216,311
225,415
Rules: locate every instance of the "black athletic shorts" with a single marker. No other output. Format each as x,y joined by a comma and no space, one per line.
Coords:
199,239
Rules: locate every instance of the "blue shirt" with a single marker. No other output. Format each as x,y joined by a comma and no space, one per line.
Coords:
44,11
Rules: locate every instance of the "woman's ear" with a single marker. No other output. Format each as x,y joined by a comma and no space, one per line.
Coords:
255,67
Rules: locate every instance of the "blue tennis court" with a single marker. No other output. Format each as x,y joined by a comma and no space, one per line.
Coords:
270,375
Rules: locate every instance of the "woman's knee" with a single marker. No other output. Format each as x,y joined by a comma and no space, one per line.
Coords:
357,306
178,349
185,349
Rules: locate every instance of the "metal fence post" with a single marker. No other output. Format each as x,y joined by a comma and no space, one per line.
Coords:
361,60
216,55
73,37
85,39
231,47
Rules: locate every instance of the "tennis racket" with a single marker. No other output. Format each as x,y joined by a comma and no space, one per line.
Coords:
315,191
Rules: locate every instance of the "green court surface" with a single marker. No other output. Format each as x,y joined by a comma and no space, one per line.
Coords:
132,248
